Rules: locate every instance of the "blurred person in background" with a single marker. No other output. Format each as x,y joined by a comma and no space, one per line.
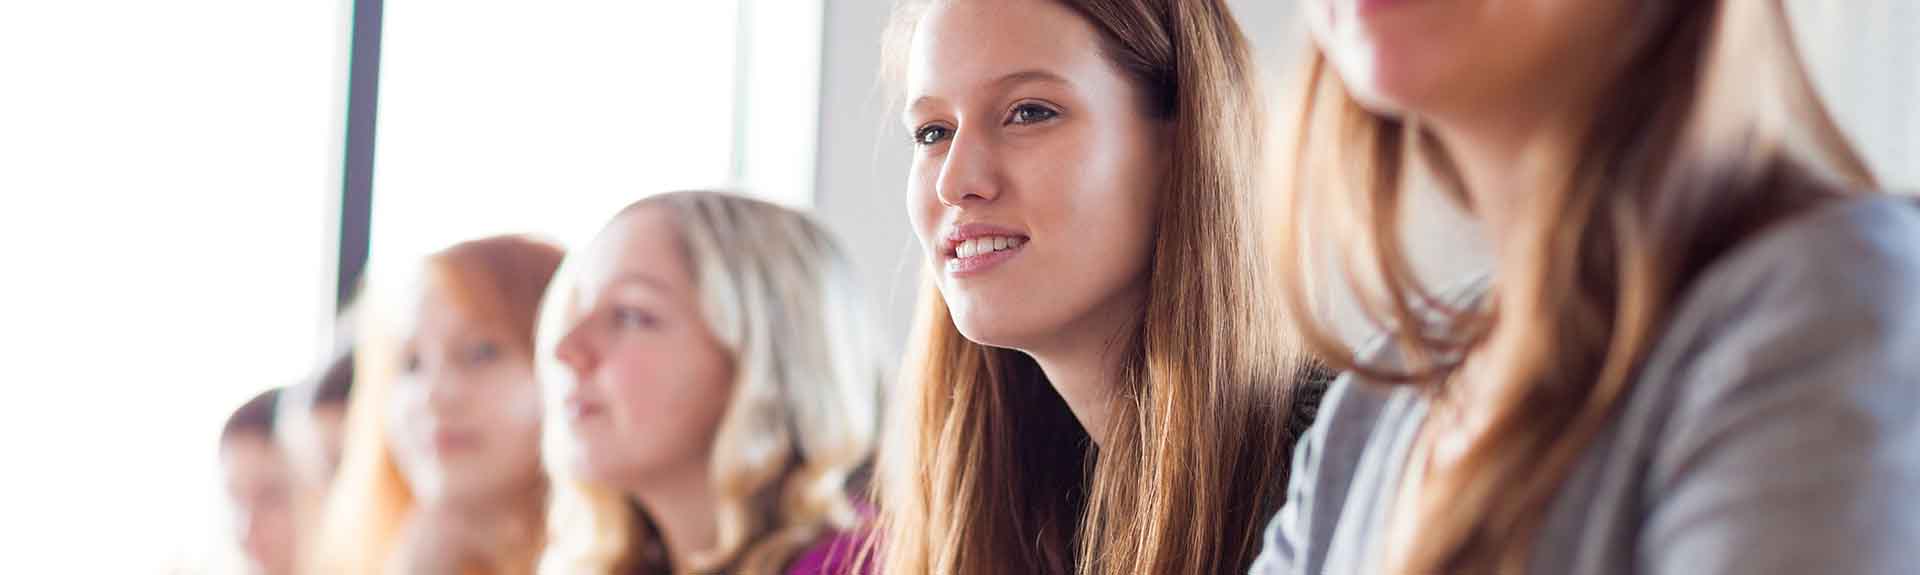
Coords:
713,392
259,487
311,431
1696,352
1095,384
441,472
312,419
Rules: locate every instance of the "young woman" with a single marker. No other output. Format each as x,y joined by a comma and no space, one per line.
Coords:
260,487
1096,385
441,469
713,392
1696,351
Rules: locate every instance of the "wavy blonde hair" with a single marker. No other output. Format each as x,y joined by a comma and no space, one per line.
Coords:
1709,134
799,429
499,280
986,471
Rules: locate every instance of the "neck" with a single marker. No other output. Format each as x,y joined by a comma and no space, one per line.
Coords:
682,508
1509,147
1084,363
1503,170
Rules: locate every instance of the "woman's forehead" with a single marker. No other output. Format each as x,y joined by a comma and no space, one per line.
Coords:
964,47
641,248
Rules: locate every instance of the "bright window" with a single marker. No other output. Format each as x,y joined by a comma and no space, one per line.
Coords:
172,177
169,170
498,118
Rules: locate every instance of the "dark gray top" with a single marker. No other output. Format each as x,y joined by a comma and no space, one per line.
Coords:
1775,427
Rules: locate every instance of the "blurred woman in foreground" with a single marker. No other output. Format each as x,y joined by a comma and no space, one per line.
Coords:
1696,353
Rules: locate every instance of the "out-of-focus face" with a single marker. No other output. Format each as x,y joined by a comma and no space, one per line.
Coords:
259,489
1443,57
463,418
1036,172
647,383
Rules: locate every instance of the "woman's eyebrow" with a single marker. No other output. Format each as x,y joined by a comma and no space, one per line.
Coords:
1008,80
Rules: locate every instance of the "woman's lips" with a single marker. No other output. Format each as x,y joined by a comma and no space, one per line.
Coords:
976,247
972,259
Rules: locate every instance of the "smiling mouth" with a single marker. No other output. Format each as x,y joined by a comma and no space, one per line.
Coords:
984,245
979,254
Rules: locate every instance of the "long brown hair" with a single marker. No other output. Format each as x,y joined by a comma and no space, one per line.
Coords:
499,280
1708,134
987,471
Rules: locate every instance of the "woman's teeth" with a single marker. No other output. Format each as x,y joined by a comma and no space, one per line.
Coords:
985,245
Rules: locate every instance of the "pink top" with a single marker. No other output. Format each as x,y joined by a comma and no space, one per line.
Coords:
834,555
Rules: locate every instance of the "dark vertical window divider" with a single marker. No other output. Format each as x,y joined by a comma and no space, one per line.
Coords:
356,197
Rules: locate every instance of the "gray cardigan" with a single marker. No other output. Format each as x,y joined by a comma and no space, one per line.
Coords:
1774,428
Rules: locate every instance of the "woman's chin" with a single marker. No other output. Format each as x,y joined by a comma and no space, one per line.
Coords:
986,332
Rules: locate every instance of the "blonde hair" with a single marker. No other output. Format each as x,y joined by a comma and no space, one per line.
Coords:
986,470
779,293
499,280
1710,133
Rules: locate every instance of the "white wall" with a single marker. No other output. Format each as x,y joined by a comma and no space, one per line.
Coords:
1866,55
859,189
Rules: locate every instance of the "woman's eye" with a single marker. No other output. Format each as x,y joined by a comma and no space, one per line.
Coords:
930,135
1031,114
627,317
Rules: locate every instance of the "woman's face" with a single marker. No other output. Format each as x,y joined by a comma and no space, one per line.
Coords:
1035,172
647,382
464,417
1462,57
260,493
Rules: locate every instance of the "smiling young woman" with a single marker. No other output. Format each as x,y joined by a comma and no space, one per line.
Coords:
1096,384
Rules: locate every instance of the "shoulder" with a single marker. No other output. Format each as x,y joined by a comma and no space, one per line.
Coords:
1845,273
1782,395
1818,316
1863,246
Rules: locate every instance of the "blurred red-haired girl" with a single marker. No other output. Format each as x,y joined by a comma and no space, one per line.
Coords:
441,469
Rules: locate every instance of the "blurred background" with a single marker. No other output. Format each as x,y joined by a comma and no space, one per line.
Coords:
193,188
